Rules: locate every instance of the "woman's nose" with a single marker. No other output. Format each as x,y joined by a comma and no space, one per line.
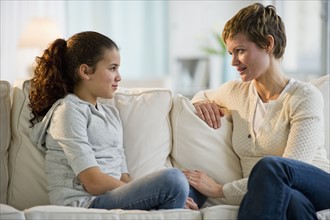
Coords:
234,60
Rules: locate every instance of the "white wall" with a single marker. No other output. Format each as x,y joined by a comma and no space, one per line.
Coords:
15,15
192,24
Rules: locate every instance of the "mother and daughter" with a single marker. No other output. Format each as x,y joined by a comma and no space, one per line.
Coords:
277,129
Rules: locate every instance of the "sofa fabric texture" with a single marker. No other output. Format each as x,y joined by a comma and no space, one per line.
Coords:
5,132
160,130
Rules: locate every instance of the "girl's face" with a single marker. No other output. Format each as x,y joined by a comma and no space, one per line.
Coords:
250,60
104,81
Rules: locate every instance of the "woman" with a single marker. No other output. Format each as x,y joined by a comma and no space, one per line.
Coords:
272,114
82,138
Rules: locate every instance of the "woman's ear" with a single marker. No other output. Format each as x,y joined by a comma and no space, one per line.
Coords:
84,72
270,43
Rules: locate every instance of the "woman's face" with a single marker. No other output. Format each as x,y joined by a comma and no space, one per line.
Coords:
104,81
250,60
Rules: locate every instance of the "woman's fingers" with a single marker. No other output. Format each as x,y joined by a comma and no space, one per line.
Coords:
210,113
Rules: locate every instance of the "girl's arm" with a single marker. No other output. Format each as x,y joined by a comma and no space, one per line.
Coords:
97,183
125,178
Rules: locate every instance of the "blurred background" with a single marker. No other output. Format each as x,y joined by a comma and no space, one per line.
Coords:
162,43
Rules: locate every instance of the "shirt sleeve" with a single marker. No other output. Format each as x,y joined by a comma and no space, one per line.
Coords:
69,130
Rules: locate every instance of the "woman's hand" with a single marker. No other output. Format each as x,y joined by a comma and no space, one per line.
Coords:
204,184
210,113
190,204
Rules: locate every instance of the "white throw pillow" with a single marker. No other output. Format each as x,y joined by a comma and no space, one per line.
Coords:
196,146
147,132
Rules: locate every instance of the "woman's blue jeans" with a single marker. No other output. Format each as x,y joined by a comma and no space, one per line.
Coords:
281,188
165,189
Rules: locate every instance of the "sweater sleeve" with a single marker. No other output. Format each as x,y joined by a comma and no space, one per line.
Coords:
235,191
306,125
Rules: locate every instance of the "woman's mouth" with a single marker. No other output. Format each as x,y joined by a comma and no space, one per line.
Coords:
241,70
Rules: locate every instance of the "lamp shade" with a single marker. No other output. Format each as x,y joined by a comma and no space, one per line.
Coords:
39,33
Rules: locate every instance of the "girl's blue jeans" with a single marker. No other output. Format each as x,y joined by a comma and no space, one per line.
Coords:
280,188
165,189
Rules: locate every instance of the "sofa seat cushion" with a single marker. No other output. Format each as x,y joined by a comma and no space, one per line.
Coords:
9,213
220,212
196,146
59,212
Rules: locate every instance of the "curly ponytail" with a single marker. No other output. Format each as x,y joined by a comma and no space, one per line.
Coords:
48,84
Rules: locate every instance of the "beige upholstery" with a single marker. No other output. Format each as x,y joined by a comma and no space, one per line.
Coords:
5,133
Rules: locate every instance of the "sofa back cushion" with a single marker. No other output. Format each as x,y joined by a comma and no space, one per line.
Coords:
323,84
147,129
196,146
5,133
147,140
27,182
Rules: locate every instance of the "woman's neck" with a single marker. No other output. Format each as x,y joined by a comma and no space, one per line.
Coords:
270,86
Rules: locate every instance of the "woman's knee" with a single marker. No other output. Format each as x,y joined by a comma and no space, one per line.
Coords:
266,166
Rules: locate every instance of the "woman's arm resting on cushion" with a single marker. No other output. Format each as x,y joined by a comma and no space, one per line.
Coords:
207,109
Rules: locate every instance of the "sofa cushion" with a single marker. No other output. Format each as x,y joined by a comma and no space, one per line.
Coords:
147,132
58,212
220,212
323,84
27,179
5,133
9,213
196,146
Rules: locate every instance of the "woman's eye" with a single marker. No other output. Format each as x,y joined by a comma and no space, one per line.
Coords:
240,50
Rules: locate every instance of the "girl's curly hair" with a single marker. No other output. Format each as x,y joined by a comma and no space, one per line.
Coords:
56,72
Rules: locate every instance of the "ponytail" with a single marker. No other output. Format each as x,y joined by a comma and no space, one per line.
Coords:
49,82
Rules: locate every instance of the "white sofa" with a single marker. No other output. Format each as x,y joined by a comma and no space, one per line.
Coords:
160,130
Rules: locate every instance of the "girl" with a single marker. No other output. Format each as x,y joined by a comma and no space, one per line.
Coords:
82,138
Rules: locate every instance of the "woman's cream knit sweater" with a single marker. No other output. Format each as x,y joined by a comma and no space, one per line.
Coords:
292,127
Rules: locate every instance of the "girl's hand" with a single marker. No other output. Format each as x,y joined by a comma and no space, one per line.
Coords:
204,184
190,204
210,113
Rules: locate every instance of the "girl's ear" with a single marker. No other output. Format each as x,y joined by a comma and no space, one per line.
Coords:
83,72
270,44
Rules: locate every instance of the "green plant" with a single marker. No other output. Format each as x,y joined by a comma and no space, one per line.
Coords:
220,50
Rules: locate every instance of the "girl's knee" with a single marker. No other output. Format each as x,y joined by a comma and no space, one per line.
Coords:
175,178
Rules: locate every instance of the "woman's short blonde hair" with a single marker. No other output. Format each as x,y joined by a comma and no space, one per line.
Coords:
257,22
